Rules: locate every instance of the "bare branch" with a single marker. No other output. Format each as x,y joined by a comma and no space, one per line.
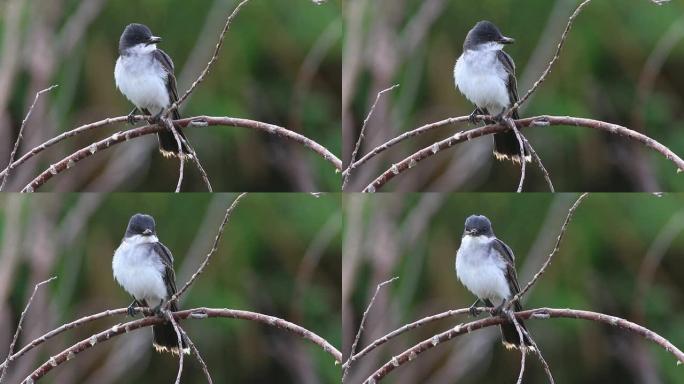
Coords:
571,212
168,314
552,62
10,357
511,124
350,360
197,121
361,135
214,247
20,135
537,121
204,73
196,313
539,313
195,351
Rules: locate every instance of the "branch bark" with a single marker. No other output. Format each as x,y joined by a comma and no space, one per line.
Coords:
539,313
538,121
196,313
197,121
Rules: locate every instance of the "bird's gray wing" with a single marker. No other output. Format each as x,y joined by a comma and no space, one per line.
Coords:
169,275
167,63
511,276
512,83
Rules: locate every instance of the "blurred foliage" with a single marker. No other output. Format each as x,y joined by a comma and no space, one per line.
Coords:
259,267
595,77
256,77
597,268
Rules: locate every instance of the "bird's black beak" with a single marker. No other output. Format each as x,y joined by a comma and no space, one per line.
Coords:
506,40
147,232
154,40
471,231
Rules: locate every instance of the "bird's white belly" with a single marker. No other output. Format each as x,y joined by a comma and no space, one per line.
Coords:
482,81
141,84
139,274
481,274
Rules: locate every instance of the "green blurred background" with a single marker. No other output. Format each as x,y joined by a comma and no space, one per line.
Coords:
280,64
621,255
603,73
280,255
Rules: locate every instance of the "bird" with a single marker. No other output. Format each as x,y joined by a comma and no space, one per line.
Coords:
144,74
486,267
143,266
485,75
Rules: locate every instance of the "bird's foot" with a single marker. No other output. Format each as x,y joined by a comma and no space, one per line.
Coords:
473,310
498,310
131,116
131,310
473,116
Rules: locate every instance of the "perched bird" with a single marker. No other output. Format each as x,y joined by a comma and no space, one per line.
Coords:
485,75
144,74
144,268
486,266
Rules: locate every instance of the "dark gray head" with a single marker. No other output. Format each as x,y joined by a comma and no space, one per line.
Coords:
478,225
135,34
482,33
141,224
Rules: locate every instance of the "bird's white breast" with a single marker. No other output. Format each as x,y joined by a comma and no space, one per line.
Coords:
482,79
139,272
142,79
481,270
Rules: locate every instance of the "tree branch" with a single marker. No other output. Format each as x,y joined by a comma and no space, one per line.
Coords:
540,313
536,121
196,313
197,121
5,175
347,172
214,247
350,360
5,366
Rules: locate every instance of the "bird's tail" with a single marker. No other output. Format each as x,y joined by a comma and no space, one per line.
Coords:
167,141
507,147
509,334
165,338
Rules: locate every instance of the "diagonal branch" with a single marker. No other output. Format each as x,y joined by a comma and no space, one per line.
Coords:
10,357
552,62
347,171
204,73
214,247
20,135
350,360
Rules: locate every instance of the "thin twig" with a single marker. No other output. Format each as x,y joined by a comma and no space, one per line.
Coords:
552,62
537,352
347,173
195,352
350,360
21,133
181,155
556,247
539,313
522,348
537,159
537,121
204,73
196,313
169,315
511,124
10,357
214,247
